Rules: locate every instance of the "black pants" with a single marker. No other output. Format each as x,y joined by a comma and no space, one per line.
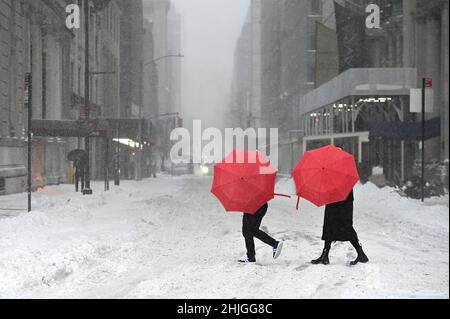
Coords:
250,230
79,177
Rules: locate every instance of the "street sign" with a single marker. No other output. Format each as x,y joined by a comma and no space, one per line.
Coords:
416,100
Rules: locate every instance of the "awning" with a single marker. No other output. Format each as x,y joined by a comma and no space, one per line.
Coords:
105,127
65,128
406,131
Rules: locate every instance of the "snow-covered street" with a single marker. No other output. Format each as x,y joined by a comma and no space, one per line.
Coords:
170,238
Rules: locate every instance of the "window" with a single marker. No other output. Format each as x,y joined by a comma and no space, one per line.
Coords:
315,7
397,8
2,185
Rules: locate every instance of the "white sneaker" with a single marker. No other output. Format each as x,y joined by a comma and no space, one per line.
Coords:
277,250
246,260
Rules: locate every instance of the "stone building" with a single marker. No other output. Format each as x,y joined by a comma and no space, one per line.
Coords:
150,85
166,31
275,62
35,39
245,97
174,65
131,49
156,11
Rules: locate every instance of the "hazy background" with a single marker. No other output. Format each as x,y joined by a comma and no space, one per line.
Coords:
209,31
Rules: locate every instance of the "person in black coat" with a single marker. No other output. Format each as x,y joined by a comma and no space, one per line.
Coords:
79,174
250,230
338,226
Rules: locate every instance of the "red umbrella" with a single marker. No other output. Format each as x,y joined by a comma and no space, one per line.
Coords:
325,175
244,181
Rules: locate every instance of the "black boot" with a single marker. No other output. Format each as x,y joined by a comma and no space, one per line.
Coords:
362,258
323,259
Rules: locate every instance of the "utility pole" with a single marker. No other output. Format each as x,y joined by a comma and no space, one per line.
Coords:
87,190
29,107
29,86
427,83
423,140
140,136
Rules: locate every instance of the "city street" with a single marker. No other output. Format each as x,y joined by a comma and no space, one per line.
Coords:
170,238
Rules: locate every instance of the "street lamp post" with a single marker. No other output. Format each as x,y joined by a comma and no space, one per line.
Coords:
87,189
164,57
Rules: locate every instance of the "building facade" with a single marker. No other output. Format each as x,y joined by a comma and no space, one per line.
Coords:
368,112
35,40
245,97
327,78
166,26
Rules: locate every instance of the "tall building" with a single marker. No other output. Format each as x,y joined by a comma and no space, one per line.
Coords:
366,107
174,47
156,11
150,85
425,47
327,78
166,26
288,59
245,98
104,63
275,64
35,40
131,52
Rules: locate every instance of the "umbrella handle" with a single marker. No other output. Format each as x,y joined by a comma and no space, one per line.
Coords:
282,195
298,202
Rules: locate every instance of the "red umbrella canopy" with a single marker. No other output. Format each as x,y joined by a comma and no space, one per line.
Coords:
326,175
244,181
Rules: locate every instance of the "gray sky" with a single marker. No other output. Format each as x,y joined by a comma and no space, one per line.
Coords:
210,29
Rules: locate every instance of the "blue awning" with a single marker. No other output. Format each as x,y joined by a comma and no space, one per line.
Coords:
406,131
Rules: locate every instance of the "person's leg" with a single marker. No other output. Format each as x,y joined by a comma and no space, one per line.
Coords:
258,233
265,238
323,259
248,229
82,179
362,258
77,180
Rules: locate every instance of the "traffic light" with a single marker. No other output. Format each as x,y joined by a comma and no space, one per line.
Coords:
178,122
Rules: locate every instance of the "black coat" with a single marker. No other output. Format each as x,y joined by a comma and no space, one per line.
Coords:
338,222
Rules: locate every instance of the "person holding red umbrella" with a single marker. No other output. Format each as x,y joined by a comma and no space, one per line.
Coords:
338,226
326,176
245,182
